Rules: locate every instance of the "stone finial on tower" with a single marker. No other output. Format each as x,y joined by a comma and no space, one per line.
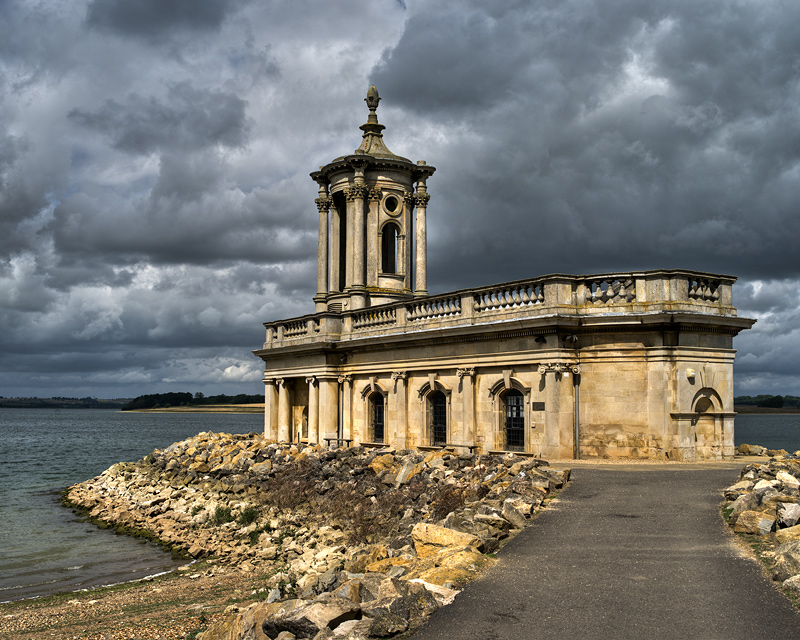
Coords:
373,144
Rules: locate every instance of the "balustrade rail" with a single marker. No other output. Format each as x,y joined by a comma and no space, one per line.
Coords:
509,297
434,307
378,317
648,291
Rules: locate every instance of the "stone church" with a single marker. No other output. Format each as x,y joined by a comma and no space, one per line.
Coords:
613,365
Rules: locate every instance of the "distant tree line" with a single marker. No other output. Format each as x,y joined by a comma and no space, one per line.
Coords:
773,402
165,400
60,402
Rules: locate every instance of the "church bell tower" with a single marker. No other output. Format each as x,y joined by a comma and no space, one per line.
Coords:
372,230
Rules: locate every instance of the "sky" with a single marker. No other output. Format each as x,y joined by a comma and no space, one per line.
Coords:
155,200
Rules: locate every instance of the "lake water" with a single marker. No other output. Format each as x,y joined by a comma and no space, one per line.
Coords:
44,548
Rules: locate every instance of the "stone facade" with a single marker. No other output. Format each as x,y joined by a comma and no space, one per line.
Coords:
612,365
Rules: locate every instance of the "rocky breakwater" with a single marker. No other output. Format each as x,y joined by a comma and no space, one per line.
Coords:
351,542
765,503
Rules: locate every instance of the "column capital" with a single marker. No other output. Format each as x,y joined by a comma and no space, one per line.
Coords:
346,378
311,380
324,203
466,371
355,192
374,194
422,199
399,375
280,382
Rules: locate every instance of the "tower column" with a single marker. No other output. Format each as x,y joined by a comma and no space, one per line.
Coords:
373,246
421,200
323,251
356,222
335,243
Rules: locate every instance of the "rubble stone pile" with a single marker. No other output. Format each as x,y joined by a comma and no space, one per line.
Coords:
355,542
766,502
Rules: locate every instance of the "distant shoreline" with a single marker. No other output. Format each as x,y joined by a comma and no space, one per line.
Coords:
746,408
209,408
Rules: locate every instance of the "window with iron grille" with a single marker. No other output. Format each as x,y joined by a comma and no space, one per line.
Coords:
514,420
438,418
377,416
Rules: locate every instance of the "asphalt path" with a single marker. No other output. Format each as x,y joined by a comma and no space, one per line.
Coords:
624,552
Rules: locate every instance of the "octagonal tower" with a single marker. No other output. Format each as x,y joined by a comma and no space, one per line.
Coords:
372,228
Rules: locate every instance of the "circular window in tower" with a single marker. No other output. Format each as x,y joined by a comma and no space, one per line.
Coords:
391,205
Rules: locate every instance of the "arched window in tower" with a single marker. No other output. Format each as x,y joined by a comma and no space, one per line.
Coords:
377,417
513,420
389,236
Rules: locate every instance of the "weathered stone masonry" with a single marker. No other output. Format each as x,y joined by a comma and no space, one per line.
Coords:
635,364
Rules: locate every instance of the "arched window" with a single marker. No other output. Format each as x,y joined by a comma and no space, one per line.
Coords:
377,417
437,418
389,248
513,420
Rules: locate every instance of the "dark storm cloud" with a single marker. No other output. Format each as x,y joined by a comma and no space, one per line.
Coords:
155,18
606,136
156,207
188,120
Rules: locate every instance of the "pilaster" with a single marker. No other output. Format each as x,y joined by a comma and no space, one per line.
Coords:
466,377
400,440
313,409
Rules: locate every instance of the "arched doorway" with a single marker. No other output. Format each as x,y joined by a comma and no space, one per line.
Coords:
513,420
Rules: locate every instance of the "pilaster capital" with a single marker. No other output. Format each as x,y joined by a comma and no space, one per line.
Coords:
399,375
559,368
345,378
311,381
467,371
280,382
374,194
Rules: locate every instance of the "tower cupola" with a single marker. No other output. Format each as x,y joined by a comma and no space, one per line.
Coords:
372,224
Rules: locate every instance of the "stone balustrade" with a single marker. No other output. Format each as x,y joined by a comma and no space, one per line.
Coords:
646,292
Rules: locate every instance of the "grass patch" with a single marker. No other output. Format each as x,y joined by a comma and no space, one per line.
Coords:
222,515
247,516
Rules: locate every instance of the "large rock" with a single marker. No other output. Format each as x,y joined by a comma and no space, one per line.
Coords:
787,535
307,620
246,624
788,513
787,561
754,522
429,539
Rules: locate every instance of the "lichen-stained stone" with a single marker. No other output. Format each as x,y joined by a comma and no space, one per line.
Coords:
430,538
754,522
